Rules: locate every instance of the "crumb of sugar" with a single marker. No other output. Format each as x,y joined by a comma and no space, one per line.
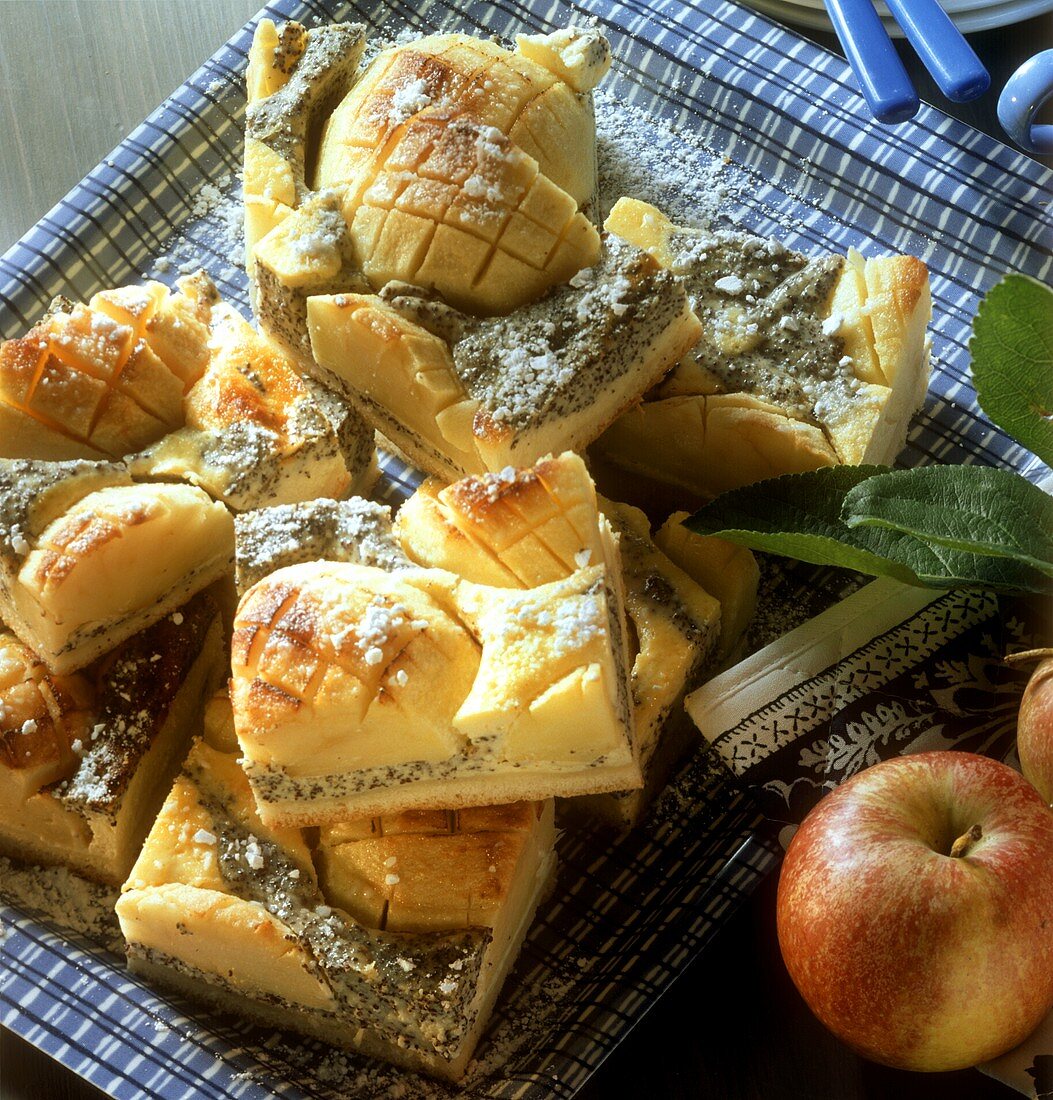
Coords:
205,201
729,284
253,853
212,236
409,99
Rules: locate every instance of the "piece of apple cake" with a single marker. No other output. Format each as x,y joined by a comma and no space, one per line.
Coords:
388,935
724,569
357,691
87,757
450,163
256,432
439,263
87,558
802,362
464,395
104,379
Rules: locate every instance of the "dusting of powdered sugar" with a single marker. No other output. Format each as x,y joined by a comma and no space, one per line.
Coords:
789,594
212,236
569,623
65,899
643,157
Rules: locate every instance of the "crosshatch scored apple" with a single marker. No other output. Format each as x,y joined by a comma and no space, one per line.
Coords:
915,910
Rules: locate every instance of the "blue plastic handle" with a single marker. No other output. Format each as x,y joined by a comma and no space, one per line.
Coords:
1025,92
954,66
882,78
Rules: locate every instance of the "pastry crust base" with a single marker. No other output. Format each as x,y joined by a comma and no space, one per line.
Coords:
494,788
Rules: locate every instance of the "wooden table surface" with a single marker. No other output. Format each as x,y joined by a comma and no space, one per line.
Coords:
75,77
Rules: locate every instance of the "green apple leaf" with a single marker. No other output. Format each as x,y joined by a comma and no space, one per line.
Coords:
799,516
806,516
1012,361
977,510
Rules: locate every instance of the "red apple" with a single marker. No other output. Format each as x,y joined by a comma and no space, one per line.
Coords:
1034,731
915,910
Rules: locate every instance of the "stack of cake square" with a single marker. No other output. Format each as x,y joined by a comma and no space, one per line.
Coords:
407,699
321,746
130,428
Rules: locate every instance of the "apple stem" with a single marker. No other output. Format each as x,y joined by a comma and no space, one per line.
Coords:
962,845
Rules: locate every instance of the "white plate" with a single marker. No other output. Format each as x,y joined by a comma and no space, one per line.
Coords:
968,15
